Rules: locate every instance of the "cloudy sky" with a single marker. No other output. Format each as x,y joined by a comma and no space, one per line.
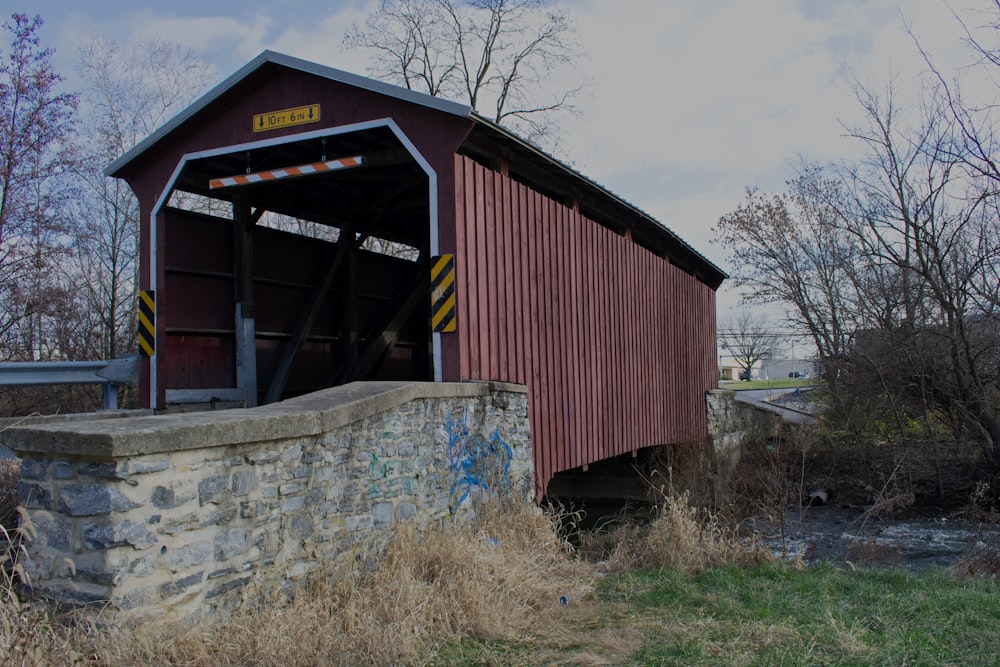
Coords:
691,101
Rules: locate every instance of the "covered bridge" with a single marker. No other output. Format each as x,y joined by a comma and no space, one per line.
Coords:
304,227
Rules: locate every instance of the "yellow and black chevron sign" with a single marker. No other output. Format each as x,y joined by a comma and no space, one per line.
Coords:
443,294
147,323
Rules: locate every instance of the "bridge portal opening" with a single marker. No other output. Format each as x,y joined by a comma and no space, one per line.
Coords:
295,265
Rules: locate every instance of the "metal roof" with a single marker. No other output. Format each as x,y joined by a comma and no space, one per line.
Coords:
484,128
291,62
529,149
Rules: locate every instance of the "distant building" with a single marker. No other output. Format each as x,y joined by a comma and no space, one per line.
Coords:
773,369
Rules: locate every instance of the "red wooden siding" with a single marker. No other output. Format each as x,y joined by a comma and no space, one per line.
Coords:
616,345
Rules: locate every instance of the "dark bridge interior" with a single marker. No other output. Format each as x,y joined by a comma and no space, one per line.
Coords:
337,290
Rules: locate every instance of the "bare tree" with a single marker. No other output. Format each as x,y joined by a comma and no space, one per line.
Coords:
749,340
790,250
499,56
36,127
934,221
127,94
895,276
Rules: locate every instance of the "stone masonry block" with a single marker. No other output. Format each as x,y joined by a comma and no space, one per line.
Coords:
190,555
173,495
93,499
172,588
112,469
405,511
359,522
265,456
102,537
231,543
33,467
312,456
292,504
114,574
138,598
33,496
62,469
300,526
51,532
226,587
291,487
322,473
250,509
212,489
315,496
219,517
244,482
147,466
293,453
222,572
74,597
180,524
382,515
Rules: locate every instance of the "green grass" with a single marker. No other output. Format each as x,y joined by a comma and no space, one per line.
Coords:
480,652
768,615
780,383
779,615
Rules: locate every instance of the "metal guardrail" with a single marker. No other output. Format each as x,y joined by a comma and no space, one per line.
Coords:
113,373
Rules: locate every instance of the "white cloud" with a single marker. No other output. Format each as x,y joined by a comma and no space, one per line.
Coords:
320,41
693,101
220,38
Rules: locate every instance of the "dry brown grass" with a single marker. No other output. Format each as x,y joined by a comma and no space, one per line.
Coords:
500,581
10,475
981,561
869,552
683,537
28,634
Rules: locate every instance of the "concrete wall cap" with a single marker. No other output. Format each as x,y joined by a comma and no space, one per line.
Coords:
306,415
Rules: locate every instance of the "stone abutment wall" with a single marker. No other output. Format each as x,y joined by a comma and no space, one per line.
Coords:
178,513
731,425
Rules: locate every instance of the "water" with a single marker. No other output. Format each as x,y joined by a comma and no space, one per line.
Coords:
844,535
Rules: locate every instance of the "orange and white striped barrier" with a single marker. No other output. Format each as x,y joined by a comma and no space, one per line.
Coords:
287,172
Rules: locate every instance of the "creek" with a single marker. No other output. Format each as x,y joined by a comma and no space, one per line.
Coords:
917,540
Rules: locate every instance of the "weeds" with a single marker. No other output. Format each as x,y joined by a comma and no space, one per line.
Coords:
498,582
28,634
981,506
682,537
493,594
10,475
981,561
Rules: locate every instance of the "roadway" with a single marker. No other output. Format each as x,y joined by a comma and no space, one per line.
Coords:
764,399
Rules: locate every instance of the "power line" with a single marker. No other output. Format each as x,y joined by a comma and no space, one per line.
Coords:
761,334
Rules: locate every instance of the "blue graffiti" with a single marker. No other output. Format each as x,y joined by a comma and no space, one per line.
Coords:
476,462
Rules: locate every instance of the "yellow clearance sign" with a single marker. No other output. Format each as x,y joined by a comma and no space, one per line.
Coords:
147,323
274,120
443,294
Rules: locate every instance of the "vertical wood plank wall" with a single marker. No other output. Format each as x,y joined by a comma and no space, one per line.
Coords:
616,345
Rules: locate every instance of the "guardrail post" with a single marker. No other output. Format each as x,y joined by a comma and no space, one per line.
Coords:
110,396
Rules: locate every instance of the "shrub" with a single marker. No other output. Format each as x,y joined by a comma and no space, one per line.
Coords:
682,537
